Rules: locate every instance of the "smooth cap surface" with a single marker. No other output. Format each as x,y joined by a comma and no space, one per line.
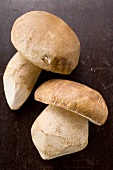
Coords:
47,41
75,97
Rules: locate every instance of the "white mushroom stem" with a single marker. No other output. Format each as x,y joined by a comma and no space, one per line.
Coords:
19,79
57,132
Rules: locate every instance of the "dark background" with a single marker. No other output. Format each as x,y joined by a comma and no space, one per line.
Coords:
92,20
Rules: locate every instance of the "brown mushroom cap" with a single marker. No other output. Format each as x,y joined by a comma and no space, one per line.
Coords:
75,97
47,41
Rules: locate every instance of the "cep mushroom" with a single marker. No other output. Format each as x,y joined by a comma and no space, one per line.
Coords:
62,128
48,43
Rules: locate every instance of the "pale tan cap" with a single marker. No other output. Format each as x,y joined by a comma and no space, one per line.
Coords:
47,41
75,97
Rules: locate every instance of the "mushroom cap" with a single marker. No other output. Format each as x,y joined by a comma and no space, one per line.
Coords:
47,41
75,97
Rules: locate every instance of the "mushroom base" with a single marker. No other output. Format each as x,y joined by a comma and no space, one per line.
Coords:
19,79
57,132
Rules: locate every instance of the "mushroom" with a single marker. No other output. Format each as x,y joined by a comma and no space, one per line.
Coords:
47,42
62,128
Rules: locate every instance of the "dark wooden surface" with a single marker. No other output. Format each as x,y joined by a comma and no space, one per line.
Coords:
93,23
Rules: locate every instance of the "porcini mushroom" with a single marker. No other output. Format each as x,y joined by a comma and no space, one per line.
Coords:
47,42
54,133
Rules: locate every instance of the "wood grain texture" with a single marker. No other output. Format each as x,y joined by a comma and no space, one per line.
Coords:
93,23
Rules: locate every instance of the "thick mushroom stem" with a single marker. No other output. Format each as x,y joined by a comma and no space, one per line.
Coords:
19,79
57,132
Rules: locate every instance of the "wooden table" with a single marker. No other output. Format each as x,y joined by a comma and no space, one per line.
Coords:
93,23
